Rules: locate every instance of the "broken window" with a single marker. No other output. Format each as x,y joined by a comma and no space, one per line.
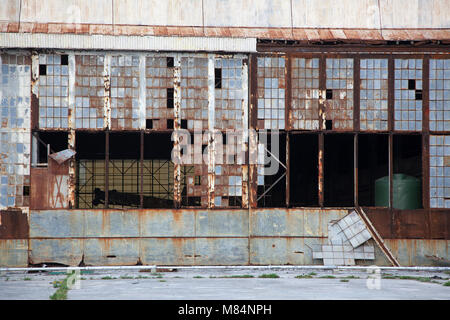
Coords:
91,170
194,175
338,170
158,171
373,164
159,75
271,92
229,95
53,91
271,177
305,94
439,94
408,94
194,92
407,184
303,174
439,171
89,92
338,106
123,170
125,92
47,142
374,94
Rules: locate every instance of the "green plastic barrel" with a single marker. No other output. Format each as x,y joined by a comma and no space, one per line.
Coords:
406,189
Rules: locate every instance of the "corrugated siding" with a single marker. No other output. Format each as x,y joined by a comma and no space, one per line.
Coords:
72,41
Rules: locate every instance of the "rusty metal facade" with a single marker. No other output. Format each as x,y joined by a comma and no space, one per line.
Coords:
149,93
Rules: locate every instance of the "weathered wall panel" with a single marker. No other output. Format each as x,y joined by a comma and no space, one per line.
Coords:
13,224
267,251
221,223
13,253
168,251
111,251
224,251
412,252
64,251
167,223
56,224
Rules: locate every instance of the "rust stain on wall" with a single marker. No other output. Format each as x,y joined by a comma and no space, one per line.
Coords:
14,224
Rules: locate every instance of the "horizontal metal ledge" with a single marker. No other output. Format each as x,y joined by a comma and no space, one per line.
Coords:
109,42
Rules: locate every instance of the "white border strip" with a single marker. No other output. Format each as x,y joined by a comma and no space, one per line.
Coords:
268,267
108,42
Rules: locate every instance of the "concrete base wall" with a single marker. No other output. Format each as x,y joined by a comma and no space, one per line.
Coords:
191,237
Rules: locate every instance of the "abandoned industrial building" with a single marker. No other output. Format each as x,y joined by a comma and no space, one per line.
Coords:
207,132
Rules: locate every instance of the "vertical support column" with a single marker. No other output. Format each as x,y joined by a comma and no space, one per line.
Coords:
211,123
391,170
71,136
252,137
107,169
322,126
356,93
391,126
245,135
34,90
426,133
355,174
288,99
141,172
142,92
321,169
287,169
177,126
107,92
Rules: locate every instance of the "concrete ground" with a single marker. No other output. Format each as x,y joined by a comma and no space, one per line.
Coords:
230,284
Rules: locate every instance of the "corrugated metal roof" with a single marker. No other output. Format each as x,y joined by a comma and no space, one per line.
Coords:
110,42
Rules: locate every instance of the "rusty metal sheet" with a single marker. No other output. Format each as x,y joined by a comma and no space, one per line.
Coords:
13,224
381,220
62,156
439,224
168,251
221,251
64,251
413,252
56,224
110,252
267,251
221,223
49,187
13,253
167,223
410,224
110,223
